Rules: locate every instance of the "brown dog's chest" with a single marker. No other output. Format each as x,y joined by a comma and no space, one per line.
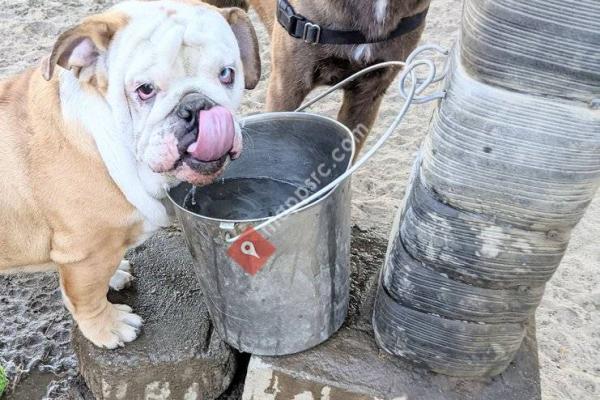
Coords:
332,70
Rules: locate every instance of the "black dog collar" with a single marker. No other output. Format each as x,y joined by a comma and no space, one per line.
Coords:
301,28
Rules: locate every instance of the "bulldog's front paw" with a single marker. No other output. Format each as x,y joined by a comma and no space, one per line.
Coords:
122,278
113,327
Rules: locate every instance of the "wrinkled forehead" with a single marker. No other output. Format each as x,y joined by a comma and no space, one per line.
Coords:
175,37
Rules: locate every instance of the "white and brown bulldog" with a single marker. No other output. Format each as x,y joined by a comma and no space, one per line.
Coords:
129,103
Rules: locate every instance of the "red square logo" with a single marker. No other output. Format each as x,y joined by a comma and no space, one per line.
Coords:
251,251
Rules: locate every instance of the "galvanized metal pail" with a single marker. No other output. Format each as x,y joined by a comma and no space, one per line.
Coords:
294,295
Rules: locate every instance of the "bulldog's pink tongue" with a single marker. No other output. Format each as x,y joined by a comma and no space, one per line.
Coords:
215,134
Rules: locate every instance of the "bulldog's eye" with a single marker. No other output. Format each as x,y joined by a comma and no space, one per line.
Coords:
146,91
227,76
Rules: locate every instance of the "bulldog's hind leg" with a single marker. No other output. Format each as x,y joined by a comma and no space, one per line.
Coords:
85,285
122,278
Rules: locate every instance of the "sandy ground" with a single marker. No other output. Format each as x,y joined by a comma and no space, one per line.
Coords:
569,317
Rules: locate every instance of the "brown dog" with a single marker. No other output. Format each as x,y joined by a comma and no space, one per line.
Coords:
298,67
130,102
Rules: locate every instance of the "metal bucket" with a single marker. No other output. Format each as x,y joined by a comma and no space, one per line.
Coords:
296,297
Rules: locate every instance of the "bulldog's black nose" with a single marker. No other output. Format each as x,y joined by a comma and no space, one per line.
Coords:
190,105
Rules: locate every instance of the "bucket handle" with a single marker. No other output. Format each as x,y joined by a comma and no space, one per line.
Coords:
415,88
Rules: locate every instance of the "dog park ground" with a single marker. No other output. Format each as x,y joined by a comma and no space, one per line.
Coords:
568,319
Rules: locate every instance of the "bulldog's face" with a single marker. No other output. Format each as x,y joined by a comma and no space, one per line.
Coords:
172,74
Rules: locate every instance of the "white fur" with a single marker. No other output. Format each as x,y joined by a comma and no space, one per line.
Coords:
182,49
362,52
123,326
122,277
96,117
381,10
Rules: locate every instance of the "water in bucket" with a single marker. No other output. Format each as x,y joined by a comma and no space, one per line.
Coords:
242,198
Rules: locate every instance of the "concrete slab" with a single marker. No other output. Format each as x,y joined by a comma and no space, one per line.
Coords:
178,355
350,366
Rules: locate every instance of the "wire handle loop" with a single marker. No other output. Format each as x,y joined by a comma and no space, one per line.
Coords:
410,89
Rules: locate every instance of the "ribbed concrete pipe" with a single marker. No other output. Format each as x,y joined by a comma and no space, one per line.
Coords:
511,162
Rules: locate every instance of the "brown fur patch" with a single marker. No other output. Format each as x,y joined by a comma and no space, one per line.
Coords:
100,29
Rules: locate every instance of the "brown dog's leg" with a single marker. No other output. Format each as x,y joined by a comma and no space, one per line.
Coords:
84,285
361,103
266,10
289,84
284,97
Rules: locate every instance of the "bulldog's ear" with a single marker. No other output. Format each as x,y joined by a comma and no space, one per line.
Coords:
247,42
80,46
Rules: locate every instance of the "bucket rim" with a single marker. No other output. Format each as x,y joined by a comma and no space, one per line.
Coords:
268,115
